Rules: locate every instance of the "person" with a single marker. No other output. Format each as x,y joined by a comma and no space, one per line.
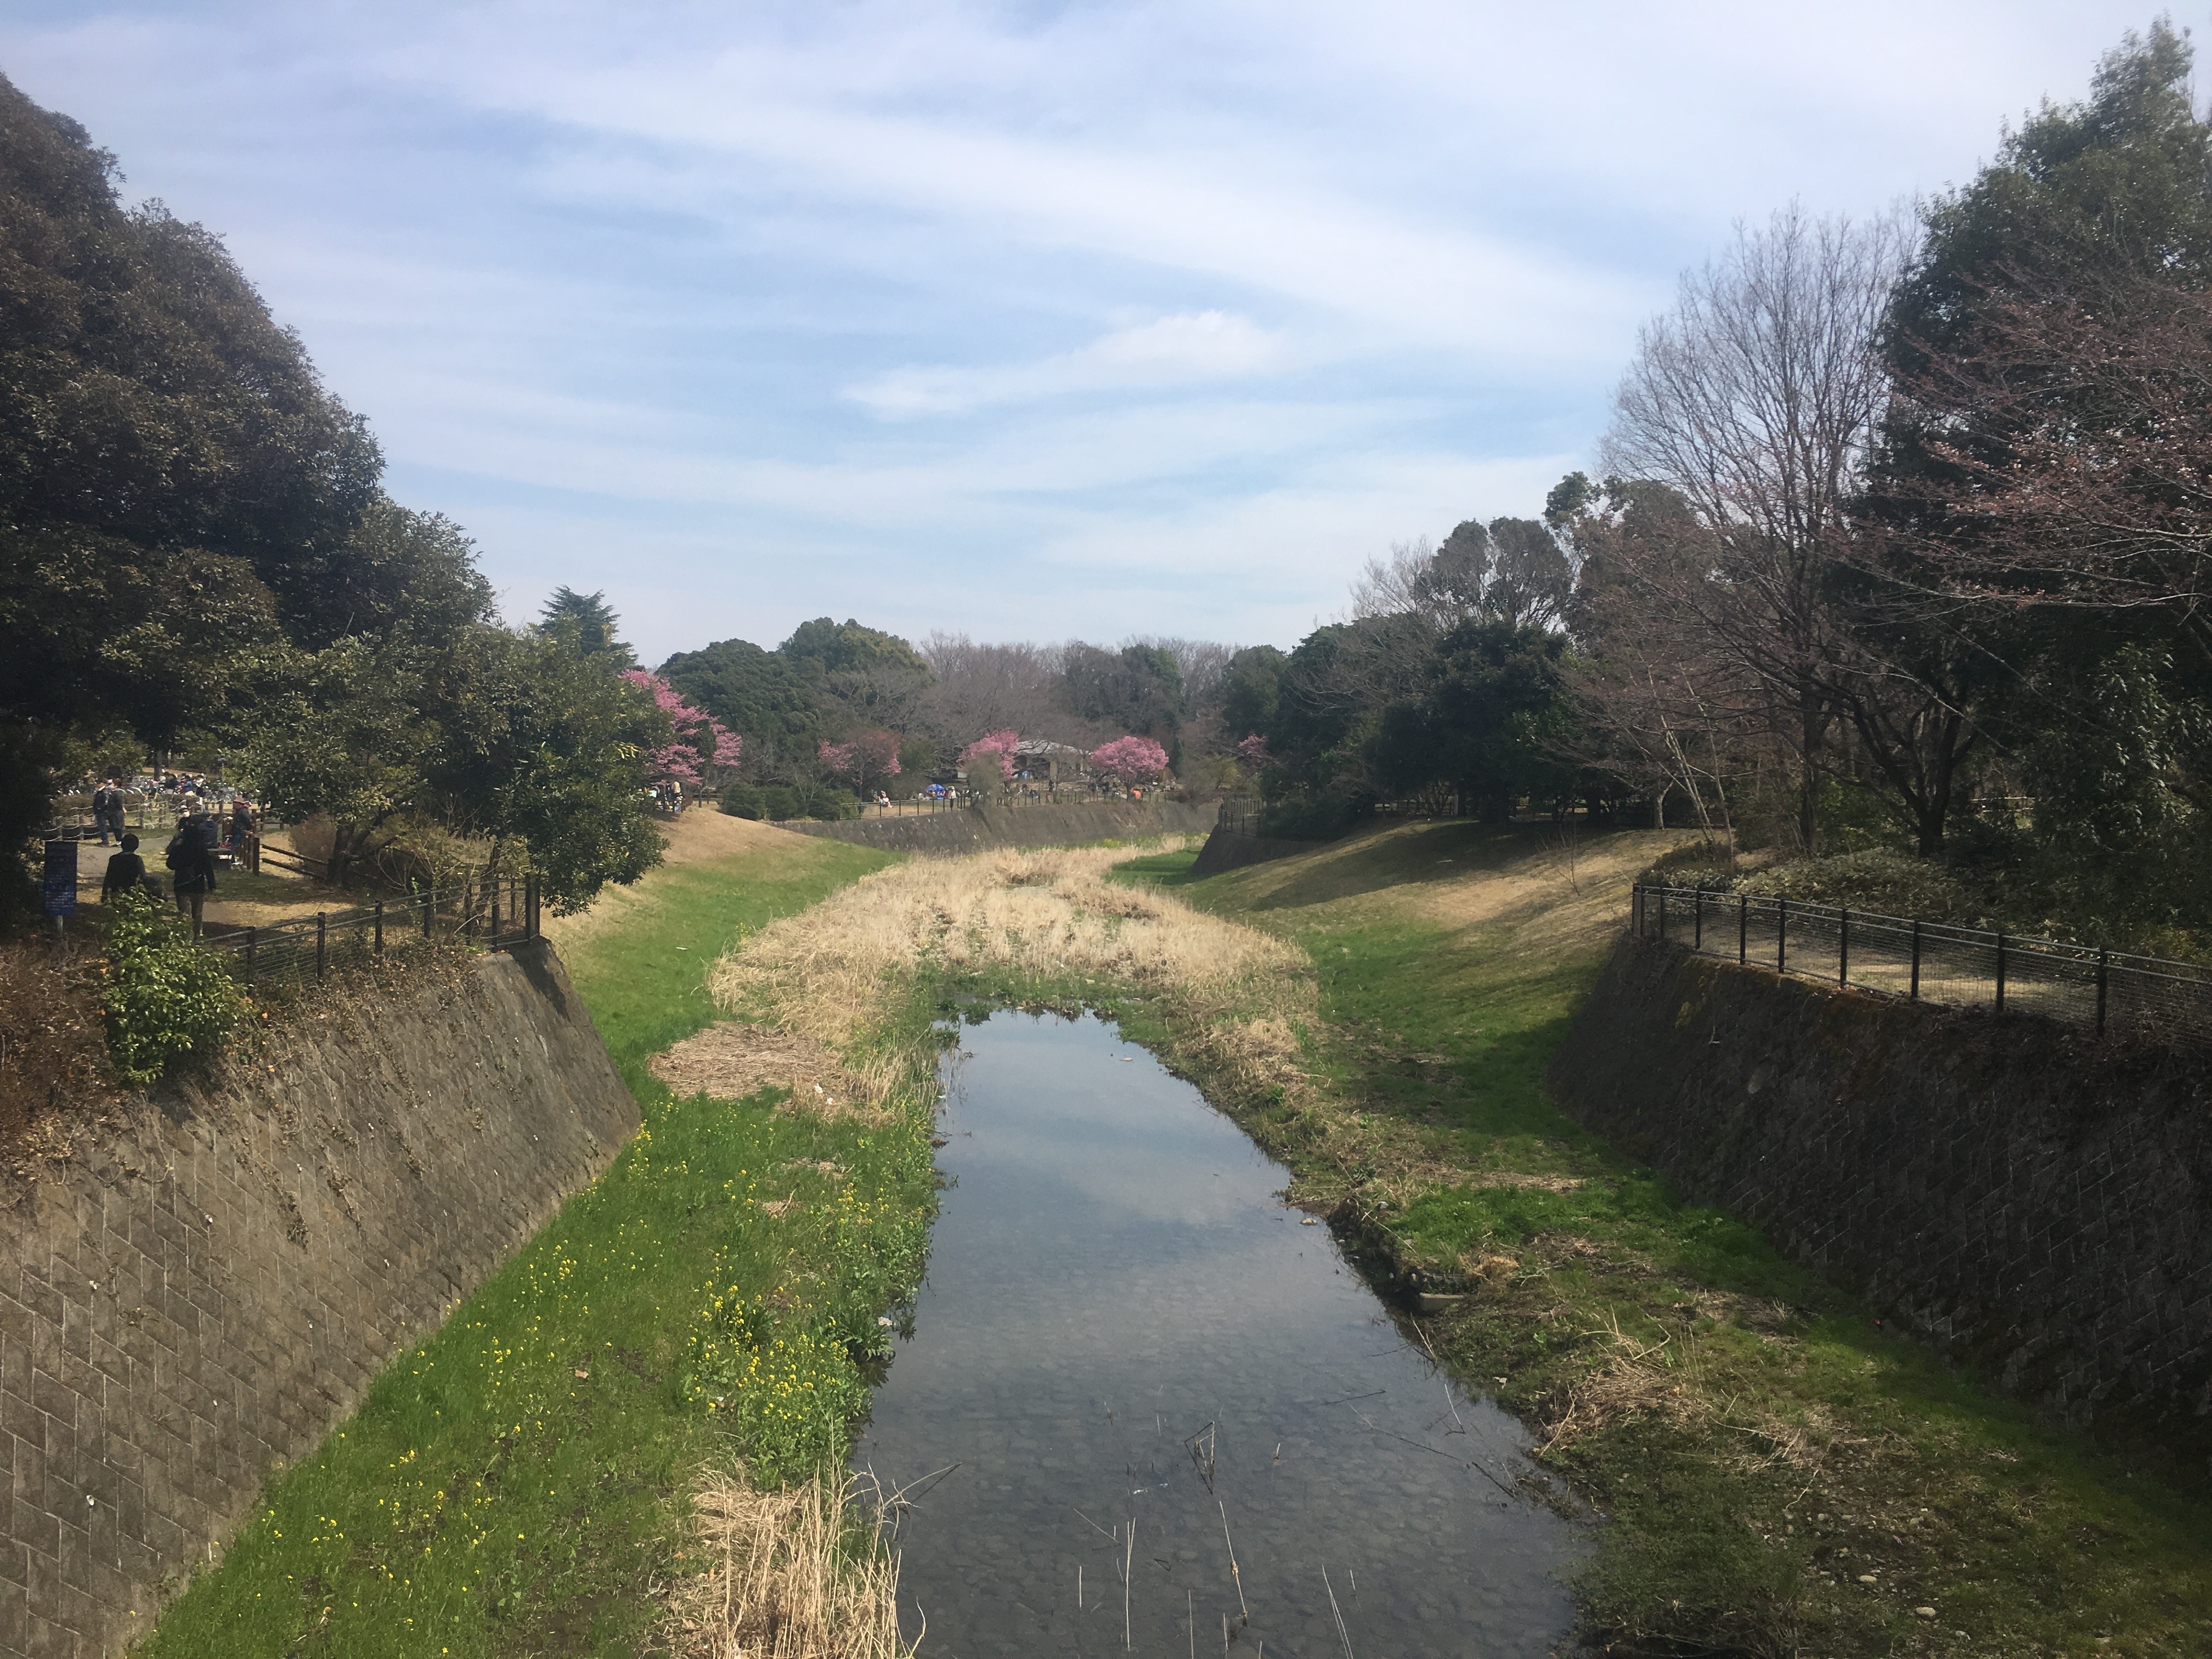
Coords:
126,872
241,823
108,809
193,860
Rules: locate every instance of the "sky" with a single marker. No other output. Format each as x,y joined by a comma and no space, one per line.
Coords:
1023,321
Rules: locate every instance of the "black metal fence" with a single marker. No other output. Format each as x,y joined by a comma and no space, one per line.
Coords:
493,915
2079,985
1238,817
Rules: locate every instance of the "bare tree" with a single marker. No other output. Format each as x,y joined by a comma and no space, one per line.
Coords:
986,688
2072,434
1756,400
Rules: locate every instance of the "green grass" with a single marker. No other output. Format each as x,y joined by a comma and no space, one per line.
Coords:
511,1483
1783,1444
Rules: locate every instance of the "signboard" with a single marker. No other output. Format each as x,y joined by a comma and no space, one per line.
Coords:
59,888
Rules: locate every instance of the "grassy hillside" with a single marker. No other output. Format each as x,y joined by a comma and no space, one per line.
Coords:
1777,1475
512,1484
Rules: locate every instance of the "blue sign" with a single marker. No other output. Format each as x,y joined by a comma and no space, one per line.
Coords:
60,885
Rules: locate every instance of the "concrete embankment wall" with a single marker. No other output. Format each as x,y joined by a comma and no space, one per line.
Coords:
1230,849
2019,1195
976,828
206,1284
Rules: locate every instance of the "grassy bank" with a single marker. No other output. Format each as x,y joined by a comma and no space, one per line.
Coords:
1777,1476
513,1484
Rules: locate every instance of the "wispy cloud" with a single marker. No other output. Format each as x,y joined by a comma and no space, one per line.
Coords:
1205,347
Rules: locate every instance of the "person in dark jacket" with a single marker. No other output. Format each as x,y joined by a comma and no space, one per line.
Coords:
126,872
192,856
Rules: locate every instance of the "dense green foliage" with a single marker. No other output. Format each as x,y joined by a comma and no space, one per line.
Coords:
165,1000
193,531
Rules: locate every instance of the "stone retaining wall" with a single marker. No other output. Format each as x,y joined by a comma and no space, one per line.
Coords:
2016,1193
196,1293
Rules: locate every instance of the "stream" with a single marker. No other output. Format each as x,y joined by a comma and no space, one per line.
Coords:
1136,1362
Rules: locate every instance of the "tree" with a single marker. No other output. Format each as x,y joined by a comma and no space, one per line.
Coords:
1252,688
700,752
1130,761
1138,688
1756,400
868,760
987,688
869,678
177,489
991,756
780,711
593,620
540,755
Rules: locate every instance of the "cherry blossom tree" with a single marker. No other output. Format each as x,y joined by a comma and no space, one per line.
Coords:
1253,752
864,761
702,749
1130,760
993,750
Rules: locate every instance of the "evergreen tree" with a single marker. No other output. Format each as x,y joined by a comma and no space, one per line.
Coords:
593,621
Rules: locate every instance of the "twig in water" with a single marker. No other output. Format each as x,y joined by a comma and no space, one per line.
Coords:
1096,1528
1205,1463
1342,1634
919,1486
1190,1620
1224,1636
1453,1405
1233,1573
1130,1559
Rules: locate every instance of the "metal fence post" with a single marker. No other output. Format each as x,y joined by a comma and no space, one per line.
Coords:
1781,935
1843,946
252,938
1698,922
322,942
379,928
2104,968
429,899
1742,928
1663,915
1916,959
2001,968
1636,907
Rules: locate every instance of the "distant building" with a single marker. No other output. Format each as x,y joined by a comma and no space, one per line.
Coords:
1047,761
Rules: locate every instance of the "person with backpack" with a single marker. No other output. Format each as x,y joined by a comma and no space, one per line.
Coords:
192,859
107,810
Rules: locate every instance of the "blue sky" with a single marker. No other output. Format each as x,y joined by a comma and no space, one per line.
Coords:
1023,321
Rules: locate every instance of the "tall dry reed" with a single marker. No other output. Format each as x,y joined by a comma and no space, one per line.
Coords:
787,1578
835,972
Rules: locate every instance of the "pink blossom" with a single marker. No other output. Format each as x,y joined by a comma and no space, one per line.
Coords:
1130,760
992,746
1253,752
869,757
702,741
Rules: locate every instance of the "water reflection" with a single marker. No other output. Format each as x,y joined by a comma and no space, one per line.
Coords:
1141,1361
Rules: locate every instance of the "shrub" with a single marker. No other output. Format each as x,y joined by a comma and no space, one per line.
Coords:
777,802
168,999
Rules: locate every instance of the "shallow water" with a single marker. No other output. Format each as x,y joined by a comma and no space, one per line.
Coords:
1123,1327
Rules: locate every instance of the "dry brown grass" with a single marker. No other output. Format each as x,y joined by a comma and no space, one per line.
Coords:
835,972
734,1059
787,1578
